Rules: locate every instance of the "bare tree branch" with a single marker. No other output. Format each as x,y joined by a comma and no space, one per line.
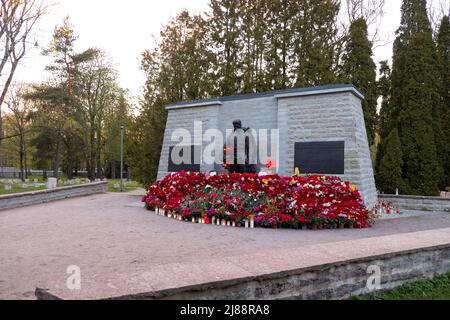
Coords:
436,11
17,19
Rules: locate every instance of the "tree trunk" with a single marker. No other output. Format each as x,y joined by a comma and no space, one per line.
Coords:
69,165
92,158
21,156
76,167
99,154
57,157
1,139
113,169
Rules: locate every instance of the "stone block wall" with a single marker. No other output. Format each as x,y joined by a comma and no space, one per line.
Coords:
417,202
17,200
333,281
331,113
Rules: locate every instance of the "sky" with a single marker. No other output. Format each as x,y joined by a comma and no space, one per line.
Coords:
124,29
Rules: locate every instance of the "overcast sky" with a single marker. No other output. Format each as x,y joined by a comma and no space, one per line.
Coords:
123,29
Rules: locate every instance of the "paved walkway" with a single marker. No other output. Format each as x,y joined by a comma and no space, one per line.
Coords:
123,249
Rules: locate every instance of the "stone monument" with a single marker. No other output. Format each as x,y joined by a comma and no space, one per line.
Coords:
317,130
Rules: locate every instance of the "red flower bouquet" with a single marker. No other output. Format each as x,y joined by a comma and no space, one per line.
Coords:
272,201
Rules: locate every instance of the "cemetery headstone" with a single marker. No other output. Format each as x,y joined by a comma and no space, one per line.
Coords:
52,183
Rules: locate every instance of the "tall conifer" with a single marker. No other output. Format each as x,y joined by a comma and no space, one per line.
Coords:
415,99
359,69
443,45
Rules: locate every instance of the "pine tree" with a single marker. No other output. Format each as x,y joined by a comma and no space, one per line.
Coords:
414,99
389,176
178,69
384,91
279,34
443,60
359,69
253,38
314,31
225,27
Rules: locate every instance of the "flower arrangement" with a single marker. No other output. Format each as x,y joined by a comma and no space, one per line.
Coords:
270,201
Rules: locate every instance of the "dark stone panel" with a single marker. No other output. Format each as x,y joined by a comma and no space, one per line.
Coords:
320,157
192,166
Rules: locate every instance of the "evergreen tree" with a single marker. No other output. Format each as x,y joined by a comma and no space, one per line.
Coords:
389,176
384,90
314,32
414,99
178,69
253,38
443,45
359,69
279,35
225,27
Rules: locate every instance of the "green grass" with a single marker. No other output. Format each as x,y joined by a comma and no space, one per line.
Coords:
63,179
17,189
437,288
39,178
128,185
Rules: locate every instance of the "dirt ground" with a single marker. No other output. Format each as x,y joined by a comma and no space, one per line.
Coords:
112,237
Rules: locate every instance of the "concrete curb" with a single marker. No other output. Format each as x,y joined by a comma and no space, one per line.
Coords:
417,202
335,280
17,200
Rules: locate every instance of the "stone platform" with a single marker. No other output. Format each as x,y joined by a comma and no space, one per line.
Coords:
125,251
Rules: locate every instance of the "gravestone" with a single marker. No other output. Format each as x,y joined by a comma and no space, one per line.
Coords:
8,187
318,130
52,183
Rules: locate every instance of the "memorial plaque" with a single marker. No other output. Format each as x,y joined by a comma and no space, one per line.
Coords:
192,166
320,157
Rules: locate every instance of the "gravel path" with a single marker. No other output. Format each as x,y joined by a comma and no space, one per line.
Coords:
111,234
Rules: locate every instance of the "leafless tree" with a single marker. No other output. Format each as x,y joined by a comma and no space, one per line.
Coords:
20,109
437,9
371,10
17,19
